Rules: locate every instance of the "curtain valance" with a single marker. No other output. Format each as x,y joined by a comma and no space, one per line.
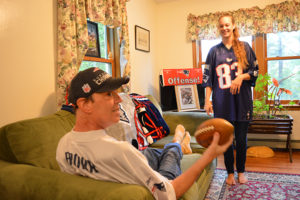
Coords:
273,18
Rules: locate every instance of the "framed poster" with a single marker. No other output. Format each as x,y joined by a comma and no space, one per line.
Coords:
93,45
187,97
142,39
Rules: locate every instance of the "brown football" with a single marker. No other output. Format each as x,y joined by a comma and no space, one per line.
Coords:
205,131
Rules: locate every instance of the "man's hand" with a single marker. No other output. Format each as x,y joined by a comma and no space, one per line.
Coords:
183,182
215,149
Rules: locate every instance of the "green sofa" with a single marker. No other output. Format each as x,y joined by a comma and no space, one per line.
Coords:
28,169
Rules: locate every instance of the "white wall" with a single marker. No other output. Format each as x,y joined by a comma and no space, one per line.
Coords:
28,50
175,51
167,23
27,59
144,14
172,49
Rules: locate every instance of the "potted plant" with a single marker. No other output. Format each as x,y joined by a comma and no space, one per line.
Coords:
268,105
268,112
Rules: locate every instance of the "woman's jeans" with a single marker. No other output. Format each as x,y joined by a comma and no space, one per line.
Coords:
240,131
166,161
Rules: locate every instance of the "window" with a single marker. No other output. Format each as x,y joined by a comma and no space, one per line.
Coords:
283,60
108,60
207,44
278,54
201,49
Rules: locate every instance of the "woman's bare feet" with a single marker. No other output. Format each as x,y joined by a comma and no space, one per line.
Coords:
242,178
230,179
179,134
185,144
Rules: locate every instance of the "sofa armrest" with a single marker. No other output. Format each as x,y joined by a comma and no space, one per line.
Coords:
190,120
19,181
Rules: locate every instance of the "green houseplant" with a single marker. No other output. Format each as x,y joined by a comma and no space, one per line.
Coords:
268,117
268,105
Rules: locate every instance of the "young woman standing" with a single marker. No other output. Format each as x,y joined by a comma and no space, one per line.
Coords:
231,70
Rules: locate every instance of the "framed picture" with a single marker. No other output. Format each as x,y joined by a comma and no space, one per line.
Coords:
93,45
187,97
142,39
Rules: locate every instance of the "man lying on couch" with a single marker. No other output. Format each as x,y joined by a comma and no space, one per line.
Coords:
87,150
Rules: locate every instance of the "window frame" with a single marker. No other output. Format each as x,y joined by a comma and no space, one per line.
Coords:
113,49
259,45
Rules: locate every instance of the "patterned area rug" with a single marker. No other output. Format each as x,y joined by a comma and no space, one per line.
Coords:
261,185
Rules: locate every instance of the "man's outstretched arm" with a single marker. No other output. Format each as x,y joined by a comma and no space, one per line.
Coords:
183,182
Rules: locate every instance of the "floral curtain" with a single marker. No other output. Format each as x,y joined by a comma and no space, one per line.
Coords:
73,36
273,18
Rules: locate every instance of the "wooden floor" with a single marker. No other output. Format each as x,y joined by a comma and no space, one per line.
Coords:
280,163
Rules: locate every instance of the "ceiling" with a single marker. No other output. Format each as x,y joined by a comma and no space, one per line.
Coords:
161,1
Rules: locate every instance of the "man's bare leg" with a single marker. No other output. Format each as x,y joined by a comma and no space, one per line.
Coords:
185,144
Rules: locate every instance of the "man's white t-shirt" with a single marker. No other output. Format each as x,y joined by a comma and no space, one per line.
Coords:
99,156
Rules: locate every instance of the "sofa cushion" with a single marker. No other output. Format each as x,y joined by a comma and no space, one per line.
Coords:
5,150
198,189
190,120
196,148
18,181
34,141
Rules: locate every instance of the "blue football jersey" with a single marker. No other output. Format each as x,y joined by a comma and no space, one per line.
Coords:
221,68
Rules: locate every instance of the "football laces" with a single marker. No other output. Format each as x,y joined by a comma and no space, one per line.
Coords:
205,129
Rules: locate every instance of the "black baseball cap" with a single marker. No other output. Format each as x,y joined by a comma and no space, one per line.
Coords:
92,80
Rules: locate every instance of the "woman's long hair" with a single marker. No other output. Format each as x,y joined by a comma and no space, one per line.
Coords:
237,45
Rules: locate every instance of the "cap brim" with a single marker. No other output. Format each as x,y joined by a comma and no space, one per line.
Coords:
112,84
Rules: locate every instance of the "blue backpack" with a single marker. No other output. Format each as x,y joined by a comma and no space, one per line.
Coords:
149,123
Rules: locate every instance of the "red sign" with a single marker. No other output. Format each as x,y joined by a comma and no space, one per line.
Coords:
188,76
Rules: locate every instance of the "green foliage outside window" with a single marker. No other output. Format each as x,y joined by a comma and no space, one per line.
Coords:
102,40
103,49
285,44
88,64
283,68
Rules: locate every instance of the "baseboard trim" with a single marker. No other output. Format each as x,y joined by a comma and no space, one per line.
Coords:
274,143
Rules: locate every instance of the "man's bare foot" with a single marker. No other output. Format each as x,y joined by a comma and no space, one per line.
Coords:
242,178
185,144
230,179
179,134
